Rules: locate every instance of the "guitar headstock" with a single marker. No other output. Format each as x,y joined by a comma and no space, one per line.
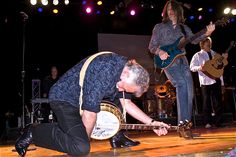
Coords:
222,22
186,125
232,43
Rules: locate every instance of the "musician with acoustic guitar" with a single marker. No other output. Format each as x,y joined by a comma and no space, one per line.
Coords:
76,100
210,87
170,56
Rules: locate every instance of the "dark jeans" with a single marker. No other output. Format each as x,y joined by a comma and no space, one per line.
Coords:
212,102
67,135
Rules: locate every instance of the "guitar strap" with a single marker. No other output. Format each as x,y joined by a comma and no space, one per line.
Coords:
209,54
183,30
159,79
82,75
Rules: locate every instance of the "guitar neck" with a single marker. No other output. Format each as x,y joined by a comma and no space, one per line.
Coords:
198,34
232,44
144,127
221,22
192,38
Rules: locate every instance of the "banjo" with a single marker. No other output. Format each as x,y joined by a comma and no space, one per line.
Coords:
110,121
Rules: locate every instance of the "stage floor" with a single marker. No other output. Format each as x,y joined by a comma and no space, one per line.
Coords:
211,143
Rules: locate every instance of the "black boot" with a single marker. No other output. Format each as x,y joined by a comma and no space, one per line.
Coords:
121,140
23,142
187,134
185,129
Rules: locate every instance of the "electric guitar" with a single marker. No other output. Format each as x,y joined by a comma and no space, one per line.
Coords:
214,68
175,49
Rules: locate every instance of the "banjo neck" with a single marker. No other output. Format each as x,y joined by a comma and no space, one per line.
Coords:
144,127
109,122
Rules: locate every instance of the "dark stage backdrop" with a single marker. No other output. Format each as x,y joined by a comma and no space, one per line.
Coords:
132,46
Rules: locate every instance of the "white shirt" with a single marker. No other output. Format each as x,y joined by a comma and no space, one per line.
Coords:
199,59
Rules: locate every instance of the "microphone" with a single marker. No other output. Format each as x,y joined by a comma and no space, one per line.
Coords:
24,15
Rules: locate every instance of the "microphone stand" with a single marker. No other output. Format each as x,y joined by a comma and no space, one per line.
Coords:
25,17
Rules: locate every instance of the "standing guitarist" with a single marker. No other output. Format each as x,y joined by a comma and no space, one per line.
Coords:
165,33
211,88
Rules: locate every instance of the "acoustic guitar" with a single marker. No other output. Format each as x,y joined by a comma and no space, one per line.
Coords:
175,49
214,68
110,121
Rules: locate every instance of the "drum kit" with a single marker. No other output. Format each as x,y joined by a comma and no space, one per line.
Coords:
163,105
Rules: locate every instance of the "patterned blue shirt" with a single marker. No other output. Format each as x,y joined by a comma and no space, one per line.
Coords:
100,81
165,34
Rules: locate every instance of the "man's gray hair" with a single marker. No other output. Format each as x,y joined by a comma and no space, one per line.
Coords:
140,75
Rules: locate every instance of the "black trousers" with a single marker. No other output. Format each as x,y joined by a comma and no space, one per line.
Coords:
212,103
67,135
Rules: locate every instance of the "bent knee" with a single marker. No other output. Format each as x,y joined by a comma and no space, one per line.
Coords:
85,149
80,150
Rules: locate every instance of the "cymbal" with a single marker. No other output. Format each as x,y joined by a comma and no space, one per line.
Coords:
161,88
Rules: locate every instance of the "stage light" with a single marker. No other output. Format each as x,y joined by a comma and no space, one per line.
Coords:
84,2
233,12
55,2
44,2
210,10
152,6
148,4
88,10
143,5
112,12
200,9
40,10
67,2
191,17
98,12
232,20
132,12
33,2
199,17
99,3
55,11
227,10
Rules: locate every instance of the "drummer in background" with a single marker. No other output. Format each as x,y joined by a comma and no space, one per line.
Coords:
166,98
107,75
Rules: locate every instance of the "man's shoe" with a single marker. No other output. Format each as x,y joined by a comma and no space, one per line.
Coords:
185,129
23,142
187,134
120,140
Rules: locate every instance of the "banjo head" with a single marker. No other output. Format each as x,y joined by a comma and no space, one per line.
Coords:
108,122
